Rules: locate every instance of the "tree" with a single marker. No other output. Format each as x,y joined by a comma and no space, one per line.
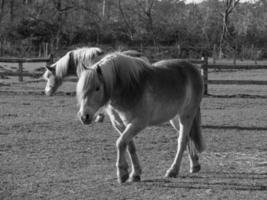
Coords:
130,29
229,6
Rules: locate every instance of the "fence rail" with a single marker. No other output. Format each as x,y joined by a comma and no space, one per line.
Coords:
25,60
20,73
202,62
232,82
238,67
31,74
237,82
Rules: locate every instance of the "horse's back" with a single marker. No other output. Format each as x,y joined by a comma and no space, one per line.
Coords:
180,73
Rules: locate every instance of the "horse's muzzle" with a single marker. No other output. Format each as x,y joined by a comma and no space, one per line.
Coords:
85,119
49,91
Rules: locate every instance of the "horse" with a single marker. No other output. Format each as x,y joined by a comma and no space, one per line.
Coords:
73,63
135,95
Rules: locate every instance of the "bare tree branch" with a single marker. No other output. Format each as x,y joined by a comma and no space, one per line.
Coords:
229,7
129,27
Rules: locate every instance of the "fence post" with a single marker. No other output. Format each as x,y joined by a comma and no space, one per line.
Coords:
214,53
20,71
1,48
205,74
50,62
234,60
51,57
255,53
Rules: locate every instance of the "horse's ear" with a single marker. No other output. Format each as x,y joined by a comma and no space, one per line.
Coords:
100,53
51,68
71,58
84,67
99,72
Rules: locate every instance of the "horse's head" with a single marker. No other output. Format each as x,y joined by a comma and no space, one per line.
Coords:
52,81
90,92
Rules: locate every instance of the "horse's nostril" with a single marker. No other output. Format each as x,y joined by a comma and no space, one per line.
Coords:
85,118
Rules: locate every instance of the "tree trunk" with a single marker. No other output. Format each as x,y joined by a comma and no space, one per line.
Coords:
104,8
150,26
229,7
2,6
59,20
130,28
11,11
2,9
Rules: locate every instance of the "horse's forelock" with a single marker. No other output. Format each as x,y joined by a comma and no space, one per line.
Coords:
86,81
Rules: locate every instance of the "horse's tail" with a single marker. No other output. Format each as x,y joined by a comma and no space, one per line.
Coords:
195,135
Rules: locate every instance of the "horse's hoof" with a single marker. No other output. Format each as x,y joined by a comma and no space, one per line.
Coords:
170,175
123,179
195,169
136,178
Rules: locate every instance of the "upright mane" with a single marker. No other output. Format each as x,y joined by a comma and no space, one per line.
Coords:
74,61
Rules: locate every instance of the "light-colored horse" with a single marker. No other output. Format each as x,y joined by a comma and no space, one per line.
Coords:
136,95
73,63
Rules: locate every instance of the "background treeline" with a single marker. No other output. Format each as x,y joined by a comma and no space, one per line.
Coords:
30,27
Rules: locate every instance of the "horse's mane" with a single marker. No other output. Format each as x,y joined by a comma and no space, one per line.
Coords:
136,54
78,59
118,70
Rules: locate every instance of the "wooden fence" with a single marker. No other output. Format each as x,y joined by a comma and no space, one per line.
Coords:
20,72
202,62
205,66
222,67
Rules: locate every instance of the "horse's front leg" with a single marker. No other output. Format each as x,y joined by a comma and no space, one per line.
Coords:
125,139
136,168
120,127
100,117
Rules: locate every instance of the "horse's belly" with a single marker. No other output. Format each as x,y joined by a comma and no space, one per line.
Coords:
163,113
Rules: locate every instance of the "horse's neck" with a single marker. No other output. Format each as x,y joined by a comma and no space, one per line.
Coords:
69,70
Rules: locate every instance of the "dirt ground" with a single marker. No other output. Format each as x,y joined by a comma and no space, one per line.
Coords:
45,153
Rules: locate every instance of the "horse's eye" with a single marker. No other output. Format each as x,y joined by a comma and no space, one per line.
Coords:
97,88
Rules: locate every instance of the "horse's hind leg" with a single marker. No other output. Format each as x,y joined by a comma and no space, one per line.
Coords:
192,152
195,144
193,157
183,124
